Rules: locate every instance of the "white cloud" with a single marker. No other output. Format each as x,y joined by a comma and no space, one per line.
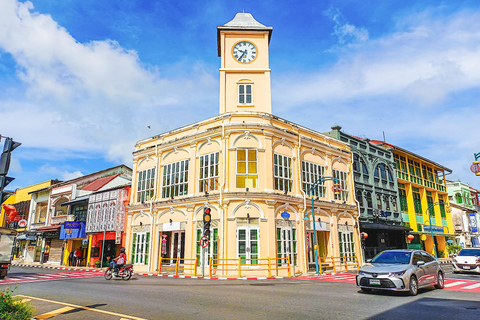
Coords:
96,97
345,32
416,84
59,173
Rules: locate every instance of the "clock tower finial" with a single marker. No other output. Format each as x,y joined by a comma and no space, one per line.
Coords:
243,45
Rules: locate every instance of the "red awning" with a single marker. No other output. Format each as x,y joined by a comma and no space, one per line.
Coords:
49,228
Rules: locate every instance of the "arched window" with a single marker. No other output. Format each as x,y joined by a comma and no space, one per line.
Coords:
458,198
368,196
358,194
359,164
381,172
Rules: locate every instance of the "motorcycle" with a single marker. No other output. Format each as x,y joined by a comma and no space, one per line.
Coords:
125,272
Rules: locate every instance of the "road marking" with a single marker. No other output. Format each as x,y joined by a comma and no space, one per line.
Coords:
53,313
453,284
82,307
473,286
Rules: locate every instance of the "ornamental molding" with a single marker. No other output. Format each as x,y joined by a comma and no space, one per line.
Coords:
247,136
248,204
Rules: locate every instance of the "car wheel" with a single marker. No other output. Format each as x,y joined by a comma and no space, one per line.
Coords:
366,290
413,287
440,281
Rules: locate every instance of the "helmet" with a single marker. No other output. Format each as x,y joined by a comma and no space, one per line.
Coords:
122,250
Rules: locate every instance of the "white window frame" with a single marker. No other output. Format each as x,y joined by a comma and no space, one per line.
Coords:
247,174
346,244
139,255
245,95
288,245
145,185
248,245
311,172
208,171
213,243
282,172
172,172
342,179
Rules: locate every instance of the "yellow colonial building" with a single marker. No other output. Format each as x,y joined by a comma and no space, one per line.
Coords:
423,200
251,168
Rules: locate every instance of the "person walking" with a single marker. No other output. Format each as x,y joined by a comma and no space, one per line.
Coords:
78,256
71,258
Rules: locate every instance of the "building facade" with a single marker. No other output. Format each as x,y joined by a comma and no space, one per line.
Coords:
252,169
376,192
423,200
62,202
465,213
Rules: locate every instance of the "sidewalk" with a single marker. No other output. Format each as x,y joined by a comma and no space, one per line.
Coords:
17,263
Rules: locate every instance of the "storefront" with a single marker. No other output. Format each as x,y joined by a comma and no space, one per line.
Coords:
76,239
104,246
51,244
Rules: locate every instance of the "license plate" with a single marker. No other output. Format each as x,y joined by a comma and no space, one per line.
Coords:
375,282
466,267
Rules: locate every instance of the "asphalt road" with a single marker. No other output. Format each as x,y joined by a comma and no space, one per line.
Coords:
174,298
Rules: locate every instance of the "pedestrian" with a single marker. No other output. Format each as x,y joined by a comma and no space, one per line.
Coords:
71,258
78,256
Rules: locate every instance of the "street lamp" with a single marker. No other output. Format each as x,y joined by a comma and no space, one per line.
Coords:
310,193
430,206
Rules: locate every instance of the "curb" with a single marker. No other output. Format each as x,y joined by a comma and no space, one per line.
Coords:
51,267
207,278
148,274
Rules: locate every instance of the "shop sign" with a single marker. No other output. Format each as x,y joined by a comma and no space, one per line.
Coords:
434,229
22,223
118,237
72,225
320,226
31,248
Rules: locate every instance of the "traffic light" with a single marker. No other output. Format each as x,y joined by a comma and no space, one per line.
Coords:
207,219
363,238
9,146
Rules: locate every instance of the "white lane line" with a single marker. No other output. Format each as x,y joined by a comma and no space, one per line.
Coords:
453,284
473,286
45,277
30,278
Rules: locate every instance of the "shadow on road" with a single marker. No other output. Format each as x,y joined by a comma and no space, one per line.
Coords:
433,308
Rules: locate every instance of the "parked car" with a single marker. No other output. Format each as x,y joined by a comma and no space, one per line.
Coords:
401,270
468,259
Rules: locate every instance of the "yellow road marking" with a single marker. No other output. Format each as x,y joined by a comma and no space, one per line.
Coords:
54,313
82,307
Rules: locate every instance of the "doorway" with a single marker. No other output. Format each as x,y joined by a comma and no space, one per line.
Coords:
172,245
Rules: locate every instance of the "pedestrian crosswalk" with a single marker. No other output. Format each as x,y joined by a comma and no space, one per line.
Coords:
34,277
450,284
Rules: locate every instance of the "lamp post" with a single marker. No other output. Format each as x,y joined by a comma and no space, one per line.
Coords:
310,193
430,206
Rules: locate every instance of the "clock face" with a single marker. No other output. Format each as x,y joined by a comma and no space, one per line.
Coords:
244,52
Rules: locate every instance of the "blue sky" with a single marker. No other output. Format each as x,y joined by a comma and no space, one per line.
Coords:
81,81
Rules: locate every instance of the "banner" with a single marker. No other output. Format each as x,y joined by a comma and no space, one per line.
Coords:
473,222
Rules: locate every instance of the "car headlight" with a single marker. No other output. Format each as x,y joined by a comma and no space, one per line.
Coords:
361,273
397,274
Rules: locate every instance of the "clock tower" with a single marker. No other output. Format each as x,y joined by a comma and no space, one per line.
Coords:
244,71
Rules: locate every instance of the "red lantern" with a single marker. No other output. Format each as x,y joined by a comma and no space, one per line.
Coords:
337,188
410,237
364,235
475,168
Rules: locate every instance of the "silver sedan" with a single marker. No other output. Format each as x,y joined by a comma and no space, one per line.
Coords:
401,270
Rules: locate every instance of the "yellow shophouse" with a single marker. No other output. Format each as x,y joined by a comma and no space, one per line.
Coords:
423,200
253,170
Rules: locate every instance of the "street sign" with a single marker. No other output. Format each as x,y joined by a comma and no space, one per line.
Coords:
285,215
22,223
204,241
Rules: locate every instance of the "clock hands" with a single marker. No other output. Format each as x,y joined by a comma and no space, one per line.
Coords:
243,54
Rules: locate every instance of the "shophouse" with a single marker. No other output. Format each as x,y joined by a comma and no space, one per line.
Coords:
64,202
252,169
106,223
376,191
423,199
465,213
20,202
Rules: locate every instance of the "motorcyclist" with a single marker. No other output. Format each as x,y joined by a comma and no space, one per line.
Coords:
120,260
